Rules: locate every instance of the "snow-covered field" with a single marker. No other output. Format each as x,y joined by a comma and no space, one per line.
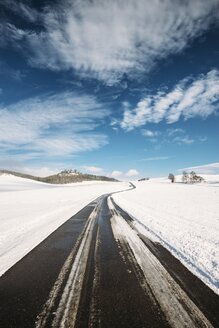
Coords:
209,179
183,218
30,211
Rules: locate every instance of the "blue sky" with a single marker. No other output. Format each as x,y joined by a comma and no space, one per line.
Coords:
123,88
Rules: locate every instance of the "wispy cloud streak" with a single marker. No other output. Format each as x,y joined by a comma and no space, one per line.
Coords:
212,168
106,39
157,158
189,98
59,125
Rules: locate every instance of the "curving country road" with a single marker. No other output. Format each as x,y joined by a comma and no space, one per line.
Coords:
97,270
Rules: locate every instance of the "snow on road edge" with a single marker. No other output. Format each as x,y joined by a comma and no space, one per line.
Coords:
183,218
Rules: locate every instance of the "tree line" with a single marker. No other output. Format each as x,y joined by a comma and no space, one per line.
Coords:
191,177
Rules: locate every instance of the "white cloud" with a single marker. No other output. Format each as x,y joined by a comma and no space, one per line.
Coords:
190,98
56,125
172,135
124,176
132,173
203,139
212,168
40,171
180,136
157,158
173,132
149,133
108,38
183,140
18,165
93,169
116,174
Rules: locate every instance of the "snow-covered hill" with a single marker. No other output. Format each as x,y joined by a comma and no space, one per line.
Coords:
9,182
64,177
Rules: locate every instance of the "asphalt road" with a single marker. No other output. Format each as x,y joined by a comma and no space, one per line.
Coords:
97,271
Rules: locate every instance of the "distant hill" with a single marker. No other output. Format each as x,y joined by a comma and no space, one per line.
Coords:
66,176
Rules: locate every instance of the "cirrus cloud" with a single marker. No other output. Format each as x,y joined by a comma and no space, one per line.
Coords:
106,39
149,133
51,126
157,158
212,168
189,98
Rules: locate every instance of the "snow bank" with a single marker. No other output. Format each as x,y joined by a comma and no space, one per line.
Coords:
30,211
209,178
183,218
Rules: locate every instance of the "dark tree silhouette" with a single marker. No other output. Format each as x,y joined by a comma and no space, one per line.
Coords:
171,177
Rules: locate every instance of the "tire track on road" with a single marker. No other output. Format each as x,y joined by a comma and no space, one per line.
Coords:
66,310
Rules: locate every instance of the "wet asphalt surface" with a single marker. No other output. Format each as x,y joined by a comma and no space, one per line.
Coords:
111,295
25,287
119,300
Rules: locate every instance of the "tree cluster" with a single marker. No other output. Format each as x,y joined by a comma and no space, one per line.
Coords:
70,171
191,177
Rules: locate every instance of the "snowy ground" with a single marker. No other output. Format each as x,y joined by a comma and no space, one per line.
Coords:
183,218
209,179
30,211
